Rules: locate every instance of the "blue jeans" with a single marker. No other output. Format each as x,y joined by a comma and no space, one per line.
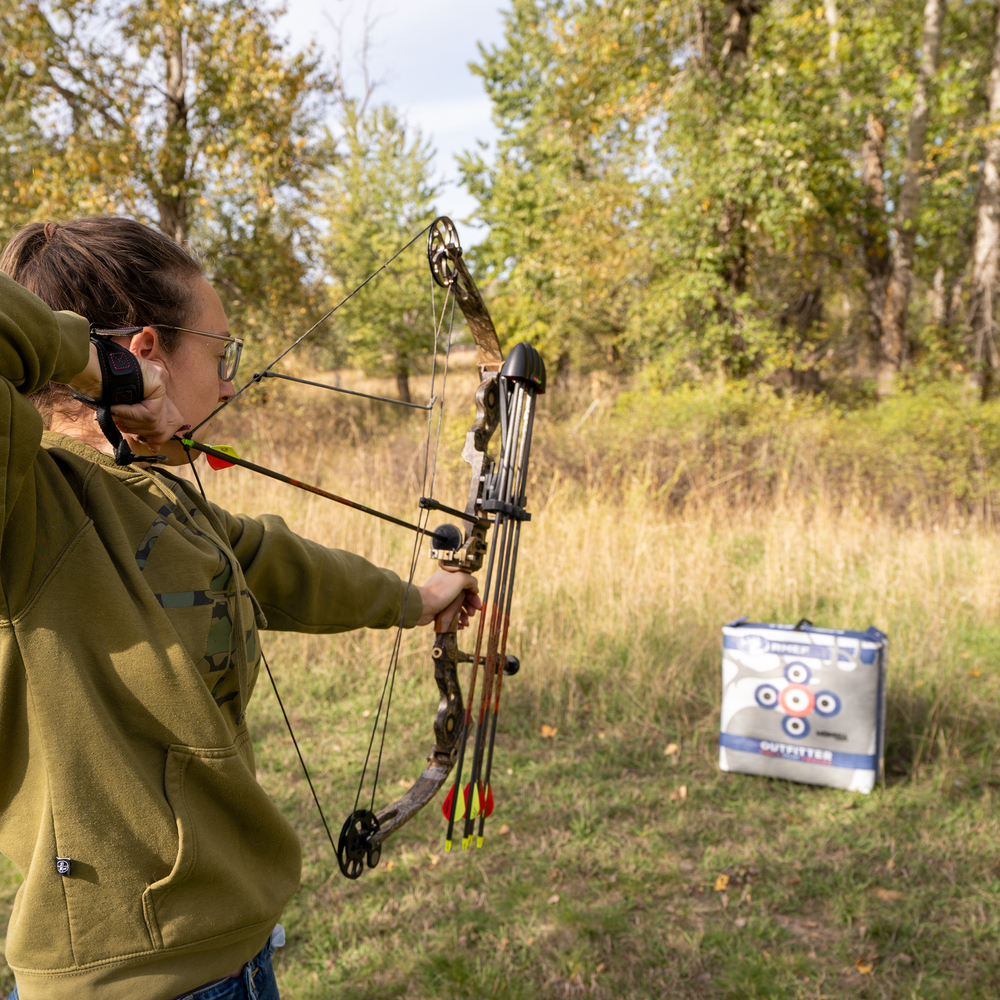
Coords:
256,983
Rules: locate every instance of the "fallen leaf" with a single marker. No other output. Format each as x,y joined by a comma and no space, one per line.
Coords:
680,793
504,830
864,967
904,958
549,732
794,880
670,749
765,953
890,895
721,882
406,783
336,749
510,770
389,865
554,898
849,805
600,968
740,921
365,714
435,858
966,655
600,736
811,923
975,673
890,864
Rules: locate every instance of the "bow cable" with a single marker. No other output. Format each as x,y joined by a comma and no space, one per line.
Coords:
390,678
257,376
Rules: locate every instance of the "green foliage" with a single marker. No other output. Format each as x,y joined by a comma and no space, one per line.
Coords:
192,116
660,200
377,194
930,449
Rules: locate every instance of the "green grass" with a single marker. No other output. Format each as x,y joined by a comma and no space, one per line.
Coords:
605,887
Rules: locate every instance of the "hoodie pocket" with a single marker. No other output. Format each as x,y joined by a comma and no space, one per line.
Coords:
238,860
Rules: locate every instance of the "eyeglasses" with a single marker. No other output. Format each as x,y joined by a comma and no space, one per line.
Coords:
229,363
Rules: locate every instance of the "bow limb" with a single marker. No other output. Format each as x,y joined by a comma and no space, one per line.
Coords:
447,733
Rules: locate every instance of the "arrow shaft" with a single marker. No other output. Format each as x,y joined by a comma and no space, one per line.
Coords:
281,478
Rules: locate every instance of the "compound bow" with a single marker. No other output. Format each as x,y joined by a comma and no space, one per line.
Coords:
505,399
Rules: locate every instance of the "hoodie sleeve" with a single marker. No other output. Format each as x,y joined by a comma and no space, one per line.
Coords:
36,346
303,586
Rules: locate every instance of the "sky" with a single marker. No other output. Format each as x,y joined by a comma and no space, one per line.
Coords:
420,50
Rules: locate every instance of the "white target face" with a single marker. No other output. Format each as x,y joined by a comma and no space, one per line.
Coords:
795,727
827,703
798,673
766,695
797,700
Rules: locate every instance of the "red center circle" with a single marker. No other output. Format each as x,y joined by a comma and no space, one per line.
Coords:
793,702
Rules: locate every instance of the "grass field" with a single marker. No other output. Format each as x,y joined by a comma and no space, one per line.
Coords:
598,877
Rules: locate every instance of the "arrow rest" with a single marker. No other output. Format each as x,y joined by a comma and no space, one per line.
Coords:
445,542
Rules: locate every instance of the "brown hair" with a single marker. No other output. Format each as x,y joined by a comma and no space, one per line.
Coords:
115,272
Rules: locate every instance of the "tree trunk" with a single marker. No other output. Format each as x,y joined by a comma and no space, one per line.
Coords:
987,240
171,197
874,237
403,386
939,308
892,346
832,19
736,34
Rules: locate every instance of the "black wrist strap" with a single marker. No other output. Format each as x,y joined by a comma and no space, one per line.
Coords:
121,385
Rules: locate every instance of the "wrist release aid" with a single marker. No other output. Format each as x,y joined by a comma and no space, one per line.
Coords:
121,385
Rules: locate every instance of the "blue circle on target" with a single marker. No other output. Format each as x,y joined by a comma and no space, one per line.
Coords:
827,704
797,673
795,727
766,695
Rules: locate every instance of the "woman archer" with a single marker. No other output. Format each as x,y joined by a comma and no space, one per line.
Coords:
154,865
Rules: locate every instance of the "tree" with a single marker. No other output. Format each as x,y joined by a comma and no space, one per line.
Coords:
732,186
891,348
192,116
375,195
987,237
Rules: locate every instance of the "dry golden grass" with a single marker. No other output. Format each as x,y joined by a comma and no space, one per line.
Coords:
620,598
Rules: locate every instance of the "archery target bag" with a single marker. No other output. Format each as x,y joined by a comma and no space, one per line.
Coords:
803,703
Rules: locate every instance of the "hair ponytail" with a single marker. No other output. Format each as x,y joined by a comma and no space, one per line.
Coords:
115,272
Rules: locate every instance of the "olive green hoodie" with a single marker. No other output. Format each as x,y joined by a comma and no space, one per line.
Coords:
128,650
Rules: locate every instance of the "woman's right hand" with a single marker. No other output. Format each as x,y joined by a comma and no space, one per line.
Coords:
155,420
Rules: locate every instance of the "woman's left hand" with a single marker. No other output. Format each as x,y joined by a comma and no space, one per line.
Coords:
451,592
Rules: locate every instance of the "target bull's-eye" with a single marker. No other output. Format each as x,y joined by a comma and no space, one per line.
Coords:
803,703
